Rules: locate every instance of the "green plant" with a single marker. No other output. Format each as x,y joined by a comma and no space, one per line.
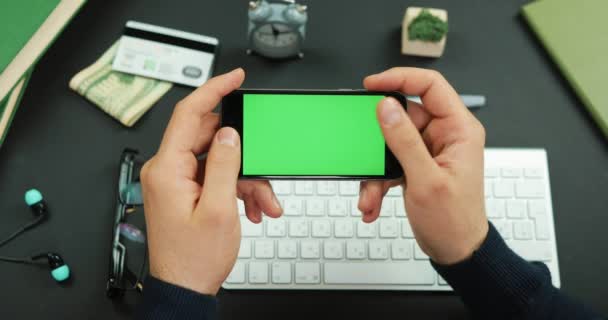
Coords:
427,27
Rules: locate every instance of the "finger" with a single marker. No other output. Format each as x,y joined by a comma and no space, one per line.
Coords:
437,95
370,199
418,115
187,122
263,195
252,210
221,172
404,140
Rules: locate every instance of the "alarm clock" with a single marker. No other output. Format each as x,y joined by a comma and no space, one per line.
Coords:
277,29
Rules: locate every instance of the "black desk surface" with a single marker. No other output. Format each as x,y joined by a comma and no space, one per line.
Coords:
68,149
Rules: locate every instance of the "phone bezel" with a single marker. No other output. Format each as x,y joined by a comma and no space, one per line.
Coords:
231,115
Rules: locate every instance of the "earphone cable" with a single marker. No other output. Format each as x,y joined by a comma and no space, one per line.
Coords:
21,230
18,260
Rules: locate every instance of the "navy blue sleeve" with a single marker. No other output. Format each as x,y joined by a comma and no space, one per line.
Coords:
495,283
164,301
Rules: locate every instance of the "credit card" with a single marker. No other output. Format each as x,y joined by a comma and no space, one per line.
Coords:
165,54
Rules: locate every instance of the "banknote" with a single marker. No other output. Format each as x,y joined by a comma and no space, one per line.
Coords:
123,96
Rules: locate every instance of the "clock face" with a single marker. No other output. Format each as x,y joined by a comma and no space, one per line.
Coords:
276,40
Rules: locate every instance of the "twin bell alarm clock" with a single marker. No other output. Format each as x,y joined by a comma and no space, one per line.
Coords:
277,29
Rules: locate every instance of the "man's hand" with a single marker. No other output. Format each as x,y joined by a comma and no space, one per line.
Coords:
440,146
192,222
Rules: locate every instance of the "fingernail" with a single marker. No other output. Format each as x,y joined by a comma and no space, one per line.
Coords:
390,113
227,136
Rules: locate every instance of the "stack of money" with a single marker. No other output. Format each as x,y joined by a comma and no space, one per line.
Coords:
123,96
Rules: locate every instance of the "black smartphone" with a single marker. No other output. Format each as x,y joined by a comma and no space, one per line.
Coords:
310,134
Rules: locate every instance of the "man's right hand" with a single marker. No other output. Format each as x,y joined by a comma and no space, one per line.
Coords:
440,146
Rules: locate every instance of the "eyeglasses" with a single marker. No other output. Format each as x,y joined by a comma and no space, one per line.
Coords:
128,234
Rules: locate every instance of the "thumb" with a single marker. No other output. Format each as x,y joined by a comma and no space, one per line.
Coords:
222,171
404,140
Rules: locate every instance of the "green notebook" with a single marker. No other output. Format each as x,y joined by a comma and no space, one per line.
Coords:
27,29
8,107
575,33
17,31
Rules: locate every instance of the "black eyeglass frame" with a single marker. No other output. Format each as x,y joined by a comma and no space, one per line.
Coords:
119,274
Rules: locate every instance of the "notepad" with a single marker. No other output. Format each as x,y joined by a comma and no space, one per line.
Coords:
575,33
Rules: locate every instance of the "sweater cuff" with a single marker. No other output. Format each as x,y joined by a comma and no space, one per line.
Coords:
162,301
495,278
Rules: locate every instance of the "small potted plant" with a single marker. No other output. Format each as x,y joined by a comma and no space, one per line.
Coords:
424,32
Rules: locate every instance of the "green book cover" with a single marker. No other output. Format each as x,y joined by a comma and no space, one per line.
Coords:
27,29
19,19
9,106
575,33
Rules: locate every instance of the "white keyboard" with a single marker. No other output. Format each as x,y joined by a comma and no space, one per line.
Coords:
321,243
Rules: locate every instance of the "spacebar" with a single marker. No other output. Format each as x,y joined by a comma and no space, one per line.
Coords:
413,272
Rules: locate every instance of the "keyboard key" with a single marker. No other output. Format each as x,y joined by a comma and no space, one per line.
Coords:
304,188
504,189
516,209
491,172
288,249
413,272
395,192
240,207
441,281
327,188
275,227
333,250
292,207
511,172
537,208
237,275
532,251
281,272
298,228
523,230
542,228
349,188
355,250
354,208
488,188
505,228
418,253
343,229
258,272
400,208
406,230
337,208
315,207
310,249
495,208
530,189
401,249
250,229
389,228
308,272
281,188
534,173
245,249
321,228
388,208
366,230
264,249
378,250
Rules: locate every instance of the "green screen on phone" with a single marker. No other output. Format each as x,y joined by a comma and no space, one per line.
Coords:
304,134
